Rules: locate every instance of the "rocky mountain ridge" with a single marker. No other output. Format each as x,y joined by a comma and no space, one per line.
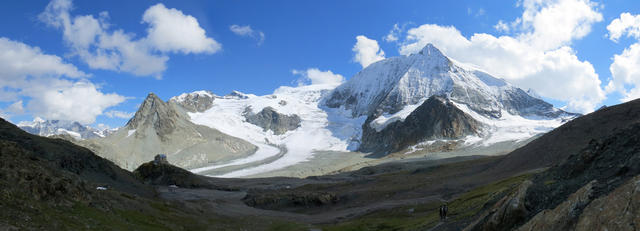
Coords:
164,127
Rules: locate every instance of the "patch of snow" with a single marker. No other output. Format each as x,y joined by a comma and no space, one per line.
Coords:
73,134
182,97
130,132
509,127
385,119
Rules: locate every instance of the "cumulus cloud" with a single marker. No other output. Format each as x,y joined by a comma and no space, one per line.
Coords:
625,24
78,101
625,69
247,31
367,51
549,24
119,114
314,76
172,31
54,89
101,47
537,57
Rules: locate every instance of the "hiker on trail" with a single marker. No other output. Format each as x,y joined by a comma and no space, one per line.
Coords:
443,212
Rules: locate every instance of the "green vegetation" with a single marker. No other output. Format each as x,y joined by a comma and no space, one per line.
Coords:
424,216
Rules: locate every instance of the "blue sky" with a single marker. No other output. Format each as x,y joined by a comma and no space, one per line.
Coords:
299,35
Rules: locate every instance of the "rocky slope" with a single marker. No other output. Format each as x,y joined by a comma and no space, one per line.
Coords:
436,118
164,127
52,184
602,158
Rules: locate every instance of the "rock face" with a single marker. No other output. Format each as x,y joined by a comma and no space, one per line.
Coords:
436,118
155,114
164,127
269,119
617,211
198,101
509,211
565,215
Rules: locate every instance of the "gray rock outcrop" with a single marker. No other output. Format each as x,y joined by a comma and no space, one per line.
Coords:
269,119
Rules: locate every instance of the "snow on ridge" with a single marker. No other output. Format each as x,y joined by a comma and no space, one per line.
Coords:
182,97
385,119
73,134
131,132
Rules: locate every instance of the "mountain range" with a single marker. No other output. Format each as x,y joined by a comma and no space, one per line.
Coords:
423,101
74,129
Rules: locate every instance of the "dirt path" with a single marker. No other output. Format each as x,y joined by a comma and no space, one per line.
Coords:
230,203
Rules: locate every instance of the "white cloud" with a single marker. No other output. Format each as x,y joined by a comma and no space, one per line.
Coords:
18,60
119,114
626,24
101,47
625,69
247,31
78,101
314,76
367,51
54,89
549,24
394,34
502,27
538,56
172,31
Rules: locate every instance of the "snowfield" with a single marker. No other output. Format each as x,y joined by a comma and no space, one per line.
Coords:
319,129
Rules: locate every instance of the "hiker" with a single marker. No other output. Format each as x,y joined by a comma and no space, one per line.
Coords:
443,212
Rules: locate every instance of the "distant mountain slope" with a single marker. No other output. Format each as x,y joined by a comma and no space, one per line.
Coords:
61,127
163,127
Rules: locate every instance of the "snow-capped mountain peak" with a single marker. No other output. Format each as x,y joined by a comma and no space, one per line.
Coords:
76,130
432,51
389,85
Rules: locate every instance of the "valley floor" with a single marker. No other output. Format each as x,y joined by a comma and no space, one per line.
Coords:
332,162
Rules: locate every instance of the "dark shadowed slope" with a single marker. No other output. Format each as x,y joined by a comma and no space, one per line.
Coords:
74,159
555,146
